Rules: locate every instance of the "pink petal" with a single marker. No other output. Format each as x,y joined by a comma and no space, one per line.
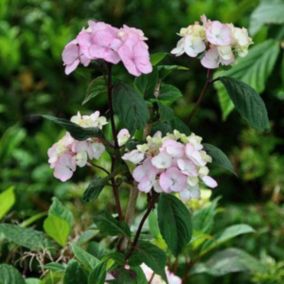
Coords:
209,181
211,59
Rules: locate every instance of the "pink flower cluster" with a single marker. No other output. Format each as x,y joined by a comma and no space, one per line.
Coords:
216,42
175,163
103,41
68,153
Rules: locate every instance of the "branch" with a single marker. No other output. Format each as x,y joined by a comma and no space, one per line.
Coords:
116,146
152,199
202,94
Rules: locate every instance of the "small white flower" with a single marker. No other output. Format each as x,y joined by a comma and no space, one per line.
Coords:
123,136
133,156
162,161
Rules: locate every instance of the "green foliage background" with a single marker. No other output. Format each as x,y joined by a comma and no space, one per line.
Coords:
32,36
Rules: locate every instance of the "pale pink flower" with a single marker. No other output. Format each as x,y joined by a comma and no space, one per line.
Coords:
211,59
72,57
133,51
162,160
145,175
173,180
96,42
134,156
173,148
209,181
218,33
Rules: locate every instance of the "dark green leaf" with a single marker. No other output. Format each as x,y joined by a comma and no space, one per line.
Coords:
248,103
87,260
26,237
172,211
130,107
98,275
219,157
75,130
228,261
134,275
146,84
165,70
96,88
169,93
254,70
74,274
10,275
167,116
111,226
94,188
151,255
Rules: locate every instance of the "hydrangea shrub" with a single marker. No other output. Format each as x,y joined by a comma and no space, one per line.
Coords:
150,149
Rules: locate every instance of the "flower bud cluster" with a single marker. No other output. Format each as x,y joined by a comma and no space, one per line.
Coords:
105,42
175,163
68,153
217,43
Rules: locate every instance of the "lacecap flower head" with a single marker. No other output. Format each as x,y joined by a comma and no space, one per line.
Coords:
216,43
108,43
68,153
175,163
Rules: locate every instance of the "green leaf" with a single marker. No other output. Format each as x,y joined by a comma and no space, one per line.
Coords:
87,260
234,231
168,117
59,222
55,266
10,275
228,261
247,102
203,218
130,107
95,188
7,200
268,12
98,275
153,224
26,237
169,93
254,69
96,88
172,211
219,158
58,229
157,57
74,274
75,130
151,255
58,209
111,226
32,281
